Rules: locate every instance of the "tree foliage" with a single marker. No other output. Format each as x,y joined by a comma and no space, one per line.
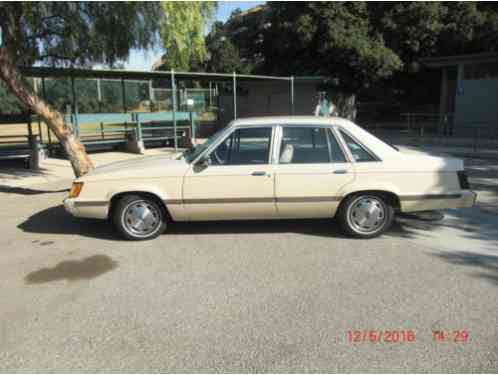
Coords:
77,33
182,32
223,56
361,44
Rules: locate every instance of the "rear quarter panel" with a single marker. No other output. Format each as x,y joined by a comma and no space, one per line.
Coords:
417,186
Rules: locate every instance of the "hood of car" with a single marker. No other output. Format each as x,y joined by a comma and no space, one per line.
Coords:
141,167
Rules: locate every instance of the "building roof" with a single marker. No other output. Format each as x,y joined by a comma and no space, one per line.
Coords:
437,62
38,71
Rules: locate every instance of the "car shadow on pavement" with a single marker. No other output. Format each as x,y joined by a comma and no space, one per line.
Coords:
73,270
55,220
313,227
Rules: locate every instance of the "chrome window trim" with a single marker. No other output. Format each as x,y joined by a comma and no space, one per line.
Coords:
344,147
370,152
277,145
229,131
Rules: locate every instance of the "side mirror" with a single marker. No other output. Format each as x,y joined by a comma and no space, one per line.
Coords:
201,164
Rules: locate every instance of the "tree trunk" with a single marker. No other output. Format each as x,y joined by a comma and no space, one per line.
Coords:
75,150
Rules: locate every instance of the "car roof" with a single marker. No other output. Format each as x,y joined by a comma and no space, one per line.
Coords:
282,120
295,120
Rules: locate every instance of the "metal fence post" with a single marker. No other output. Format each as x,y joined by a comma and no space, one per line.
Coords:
173,95
139,127
292,94
123,94
234,96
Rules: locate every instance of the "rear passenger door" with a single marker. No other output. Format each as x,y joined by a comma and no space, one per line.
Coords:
310,169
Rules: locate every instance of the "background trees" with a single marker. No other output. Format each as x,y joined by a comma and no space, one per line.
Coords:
369,48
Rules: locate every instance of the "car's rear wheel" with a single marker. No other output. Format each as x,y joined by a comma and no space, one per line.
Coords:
138,217
365,215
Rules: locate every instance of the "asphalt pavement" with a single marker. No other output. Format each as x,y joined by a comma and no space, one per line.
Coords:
288,296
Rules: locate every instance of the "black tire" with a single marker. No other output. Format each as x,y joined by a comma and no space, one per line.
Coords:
381,222
122,217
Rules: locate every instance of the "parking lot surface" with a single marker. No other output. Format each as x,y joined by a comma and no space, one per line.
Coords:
247,296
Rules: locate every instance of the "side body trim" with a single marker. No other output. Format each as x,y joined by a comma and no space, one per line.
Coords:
300,199
255,200
271,199
91,203
429,196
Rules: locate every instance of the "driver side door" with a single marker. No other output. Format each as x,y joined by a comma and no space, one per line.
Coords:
238,182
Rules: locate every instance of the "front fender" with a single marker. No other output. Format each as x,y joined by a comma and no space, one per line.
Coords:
171,198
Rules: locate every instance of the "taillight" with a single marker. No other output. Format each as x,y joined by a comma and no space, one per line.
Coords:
463,180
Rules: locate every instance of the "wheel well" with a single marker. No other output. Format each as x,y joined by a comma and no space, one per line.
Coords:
115,198
392,198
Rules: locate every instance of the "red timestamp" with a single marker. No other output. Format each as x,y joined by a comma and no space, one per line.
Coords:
457,336
380,336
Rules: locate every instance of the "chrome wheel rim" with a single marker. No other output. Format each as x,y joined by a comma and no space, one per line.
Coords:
367,214
141,218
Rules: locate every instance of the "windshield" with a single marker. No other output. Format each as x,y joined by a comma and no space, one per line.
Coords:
192,153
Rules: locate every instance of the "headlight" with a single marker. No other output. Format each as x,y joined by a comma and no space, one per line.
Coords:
75,189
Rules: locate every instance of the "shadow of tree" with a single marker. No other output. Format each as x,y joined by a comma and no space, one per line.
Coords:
17,169
487,263
73,270
470,223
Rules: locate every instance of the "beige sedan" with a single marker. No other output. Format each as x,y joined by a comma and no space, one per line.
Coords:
273,168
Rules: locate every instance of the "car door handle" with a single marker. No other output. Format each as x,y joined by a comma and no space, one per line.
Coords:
341,171
258,173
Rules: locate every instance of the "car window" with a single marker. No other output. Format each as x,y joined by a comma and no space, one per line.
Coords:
308,145
191,154
359,153
244,146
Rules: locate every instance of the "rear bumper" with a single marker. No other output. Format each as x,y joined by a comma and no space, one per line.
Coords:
468,199
429,202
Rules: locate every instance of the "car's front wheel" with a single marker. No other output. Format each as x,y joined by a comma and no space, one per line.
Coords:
365,215
139,217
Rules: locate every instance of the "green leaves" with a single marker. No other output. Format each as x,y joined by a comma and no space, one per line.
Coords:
182,32
77,33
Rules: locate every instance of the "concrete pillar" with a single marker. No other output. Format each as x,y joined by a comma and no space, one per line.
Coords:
134,144
37,153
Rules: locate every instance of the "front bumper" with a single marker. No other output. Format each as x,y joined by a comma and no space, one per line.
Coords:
86,209
70,207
